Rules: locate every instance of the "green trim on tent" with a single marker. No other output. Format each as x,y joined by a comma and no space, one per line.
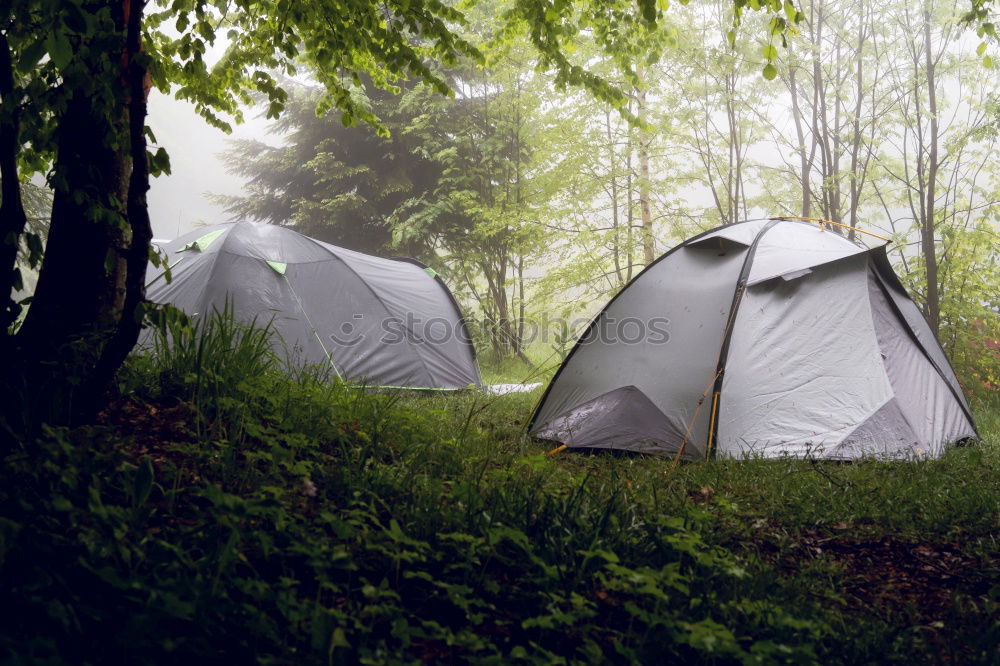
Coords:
412,388
278,266
201,244
430,271
156,279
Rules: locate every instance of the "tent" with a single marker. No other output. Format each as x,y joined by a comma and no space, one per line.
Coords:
377,322
766,338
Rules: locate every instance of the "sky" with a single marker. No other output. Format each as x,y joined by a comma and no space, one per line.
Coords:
178,202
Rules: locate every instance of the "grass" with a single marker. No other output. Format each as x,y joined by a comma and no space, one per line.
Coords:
544,360
225,512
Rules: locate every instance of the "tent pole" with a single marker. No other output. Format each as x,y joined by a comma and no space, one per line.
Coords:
727,335
711,424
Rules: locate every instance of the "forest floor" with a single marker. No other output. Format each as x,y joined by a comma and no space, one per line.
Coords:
225,512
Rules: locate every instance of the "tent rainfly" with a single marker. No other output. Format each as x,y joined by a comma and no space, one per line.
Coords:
388,323
764,338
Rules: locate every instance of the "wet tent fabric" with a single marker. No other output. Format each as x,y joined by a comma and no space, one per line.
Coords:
670,373
782,339
378,322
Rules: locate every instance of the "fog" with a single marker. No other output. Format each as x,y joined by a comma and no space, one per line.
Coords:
178,202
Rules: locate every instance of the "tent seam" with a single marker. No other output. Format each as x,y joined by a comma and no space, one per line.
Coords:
593,322
916,340
298,302
720,368
378,298
211,273
454,303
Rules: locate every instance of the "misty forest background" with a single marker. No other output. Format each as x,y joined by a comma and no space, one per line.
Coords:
206,504
538,201
535,203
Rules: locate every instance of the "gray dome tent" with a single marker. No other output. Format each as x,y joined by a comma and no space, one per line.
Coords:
763,338
377,322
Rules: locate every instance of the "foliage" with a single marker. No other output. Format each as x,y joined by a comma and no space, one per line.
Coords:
339,184
460,182
970,307
481,215
225,512
470,182
74,80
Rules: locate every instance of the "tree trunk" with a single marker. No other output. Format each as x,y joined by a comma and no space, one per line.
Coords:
933,305
821,127
800,136
130,320
736,197
84,316
615,224
630,207
521,305
859,91
648,239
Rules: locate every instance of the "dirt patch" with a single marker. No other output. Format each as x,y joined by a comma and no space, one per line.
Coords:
148,427
893,577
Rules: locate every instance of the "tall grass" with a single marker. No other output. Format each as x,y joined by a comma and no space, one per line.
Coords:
231,512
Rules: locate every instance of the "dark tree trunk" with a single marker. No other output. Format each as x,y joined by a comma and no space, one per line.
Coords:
81,285
83,318
615,223
648,238
130,321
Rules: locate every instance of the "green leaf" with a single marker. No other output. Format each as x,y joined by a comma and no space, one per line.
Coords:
731,38
159,162
143,483
110,261
30,57
648,10
769,71
988,62
74,18
59,48
981,49
790,11
339,639
770,52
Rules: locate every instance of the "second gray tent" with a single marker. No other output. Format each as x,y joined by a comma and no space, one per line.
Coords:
378,322
763,338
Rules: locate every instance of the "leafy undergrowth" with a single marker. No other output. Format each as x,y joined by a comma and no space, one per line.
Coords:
223,512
